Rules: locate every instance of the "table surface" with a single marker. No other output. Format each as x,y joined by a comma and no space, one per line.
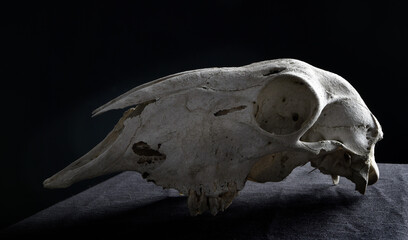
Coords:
306,205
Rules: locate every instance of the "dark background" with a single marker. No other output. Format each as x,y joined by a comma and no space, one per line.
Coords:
60,61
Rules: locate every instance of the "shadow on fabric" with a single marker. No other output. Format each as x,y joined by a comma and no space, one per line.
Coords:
302,215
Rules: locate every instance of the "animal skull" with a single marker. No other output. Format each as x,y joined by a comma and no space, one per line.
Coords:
206,132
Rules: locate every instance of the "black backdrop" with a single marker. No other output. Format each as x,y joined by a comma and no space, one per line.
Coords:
60,61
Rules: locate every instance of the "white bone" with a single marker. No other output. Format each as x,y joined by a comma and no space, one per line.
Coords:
206,132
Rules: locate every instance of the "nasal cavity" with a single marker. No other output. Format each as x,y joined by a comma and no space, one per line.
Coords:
284,105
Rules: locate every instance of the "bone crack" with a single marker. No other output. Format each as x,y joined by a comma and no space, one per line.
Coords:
230,90
230,110
139,108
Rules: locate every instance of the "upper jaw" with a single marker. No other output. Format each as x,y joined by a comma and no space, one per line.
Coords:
336,159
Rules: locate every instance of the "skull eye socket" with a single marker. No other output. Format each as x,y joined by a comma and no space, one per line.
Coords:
284,105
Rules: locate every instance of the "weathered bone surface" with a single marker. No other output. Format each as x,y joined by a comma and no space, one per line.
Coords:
206,132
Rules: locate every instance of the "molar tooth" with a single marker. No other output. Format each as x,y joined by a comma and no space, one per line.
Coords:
202,203
226,199
214,205
192,203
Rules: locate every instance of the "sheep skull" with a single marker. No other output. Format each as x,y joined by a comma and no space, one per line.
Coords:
206,132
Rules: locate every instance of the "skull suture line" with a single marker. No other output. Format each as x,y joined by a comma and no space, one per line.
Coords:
206,132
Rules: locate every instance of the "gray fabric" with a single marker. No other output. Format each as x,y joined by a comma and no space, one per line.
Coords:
303,206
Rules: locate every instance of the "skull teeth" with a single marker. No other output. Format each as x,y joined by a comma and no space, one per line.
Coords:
198,203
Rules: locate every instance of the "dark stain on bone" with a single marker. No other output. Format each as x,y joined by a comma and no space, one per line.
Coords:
299,83
273,71
146,153
347,156
143,149
230,110
295,117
